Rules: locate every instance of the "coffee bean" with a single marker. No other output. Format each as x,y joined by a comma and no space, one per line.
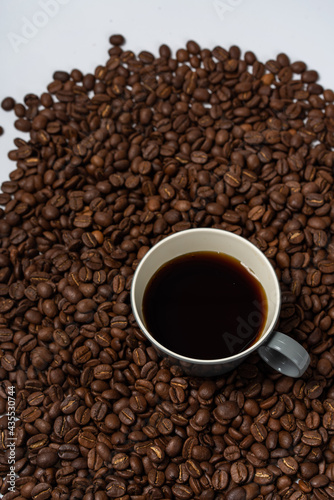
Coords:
239,472
98,411
226,411
182,491
104,451
120,461
259,432
116,488
207,390
156,478
236,493
41,491
70,404
103,372
8,104
288,465
308,470
174,446
47,457
116,40
328,420
319,481
263,476
260,450
312,438
127,416
68,451
139,356
220,480
87,439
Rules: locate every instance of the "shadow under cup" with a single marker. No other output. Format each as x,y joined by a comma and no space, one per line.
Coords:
207,240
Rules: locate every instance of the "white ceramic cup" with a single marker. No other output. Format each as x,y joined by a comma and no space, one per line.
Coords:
278,350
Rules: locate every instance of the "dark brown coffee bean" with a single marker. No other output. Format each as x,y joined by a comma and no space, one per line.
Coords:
193,468
239,472
117,40
87,439
220,480
70,404
231,453
312,438
174,446
103,372
308,470
127,416
116,488
47,457
260,450
182,491
156,478
226,411
319,481
41,491
236,493
104,451
98,411
259,432
68,451
120,461
288,465
263,476
82,415
8,104
155,454
139,356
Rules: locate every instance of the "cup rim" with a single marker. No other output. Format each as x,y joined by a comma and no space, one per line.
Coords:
197,361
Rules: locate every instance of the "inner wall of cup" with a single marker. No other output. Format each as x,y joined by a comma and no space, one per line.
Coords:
201,240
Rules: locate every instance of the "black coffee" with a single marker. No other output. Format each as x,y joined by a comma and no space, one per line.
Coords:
204,305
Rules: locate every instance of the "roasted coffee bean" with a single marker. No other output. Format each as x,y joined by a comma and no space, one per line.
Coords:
182,491
68,451
288,465
239,472
120,461
226,411
70,404
98,411
116,488
47,457
259,432
41,491
174,446
263,476
312,438
220,480
103,372
8,104
236,493
156,478
319,481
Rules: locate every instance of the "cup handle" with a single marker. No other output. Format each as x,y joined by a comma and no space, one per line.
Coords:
285,355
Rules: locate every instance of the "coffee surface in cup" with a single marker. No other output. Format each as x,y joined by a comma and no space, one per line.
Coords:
205,305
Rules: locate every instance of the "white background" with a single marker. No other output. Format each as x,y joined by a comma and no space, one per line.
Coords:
74,33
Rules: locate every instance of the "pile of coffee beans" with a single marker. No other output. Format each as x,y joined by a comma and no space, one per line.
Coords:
116,160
